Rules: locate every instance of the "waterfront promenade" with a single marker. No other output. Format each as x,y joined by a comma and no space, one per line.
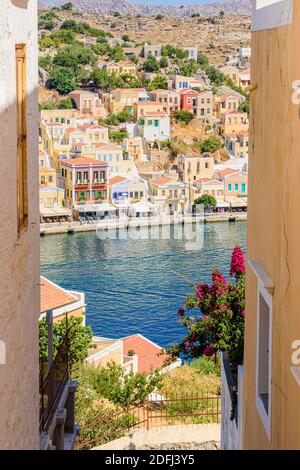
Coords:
113,224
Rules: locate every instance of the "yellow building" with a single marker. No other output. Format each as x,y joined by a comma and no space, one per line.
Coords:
133,146
169,195
233,122
123,67
148,107
124,98
237,144
192,168
47,171
232,73
114,157
62,116
271,389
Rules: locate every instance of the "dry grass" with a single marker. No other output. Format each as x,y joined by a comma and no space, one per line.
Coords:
186,381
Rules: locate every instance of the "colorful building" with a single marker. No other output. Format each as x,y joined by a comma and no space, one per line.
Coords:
113,155
170,100
154,126
85,181
124,98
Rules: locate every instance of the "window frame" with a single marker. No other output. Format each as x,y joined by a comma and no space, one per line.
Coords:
21,127
265,417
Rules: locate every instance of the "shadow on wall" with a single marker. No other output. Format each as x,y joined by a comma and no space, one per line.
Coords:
20,3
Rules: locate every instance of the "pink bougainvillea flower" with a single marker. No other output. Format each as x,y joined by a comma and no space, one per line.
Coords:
242,314
203,290
209,351
181,312
237,266
219,282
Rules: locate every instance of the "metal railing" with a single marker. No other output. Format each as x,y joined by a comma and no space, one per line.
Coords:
53,382
160,411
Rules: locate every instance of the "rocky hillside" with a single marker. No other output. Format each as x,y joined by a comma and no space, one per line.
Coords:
126,7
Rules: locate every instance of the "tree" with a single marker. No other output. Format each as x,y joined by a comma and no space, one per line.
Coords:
222,13
116,53
151,64
158,83
188,68
118,136
80,338
244,106
66,103
123,389
159,17
74,57
209,202
45,63
163,62
125,38
62,79
211,144
67,6
203,60
183,116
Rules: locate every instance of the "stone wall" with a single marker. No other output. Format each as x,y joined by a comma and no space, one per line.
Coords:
19,256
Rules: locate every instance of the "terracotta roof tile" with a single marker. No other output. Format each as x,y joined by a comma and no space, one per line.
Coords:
83,161
146,351
53,296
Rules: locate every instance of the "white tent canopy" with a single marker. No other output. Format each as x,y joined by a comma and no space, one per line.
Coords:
141,207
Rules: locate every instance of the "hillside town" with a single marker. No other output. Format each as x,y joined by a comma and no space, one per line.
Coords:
150,130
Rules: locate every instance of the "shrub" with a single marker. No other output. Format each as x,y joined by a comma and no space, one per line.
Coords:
205,366
62,79
80,338
66,103
187,380
209,202
211,144
151,64
183,116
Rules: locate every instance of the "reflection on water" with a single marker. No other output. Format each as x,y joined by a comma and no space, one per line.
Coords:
136,286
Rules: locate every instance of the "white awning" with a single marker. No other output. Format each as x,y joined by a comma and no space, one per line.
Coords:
221,204
237,201
54,211
94,208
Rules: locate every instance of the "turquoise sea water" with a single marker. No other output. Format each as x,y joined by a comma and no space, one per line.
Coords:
137,286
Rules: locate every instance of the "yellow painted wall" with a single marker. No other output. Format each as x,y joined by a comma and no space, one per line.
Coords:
273,228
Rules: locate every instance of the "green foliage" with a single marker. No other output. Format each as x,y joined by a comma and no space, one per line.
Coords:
205,365
45,42
63,36
151,64
66,103
80,338
113,25
171,51
188,68
203,60
67,6
45,63
122,389
125,38
159,17
116,14
220,325
74,57
244,106
105,82
116,53
209,202
62,79
101,48
211,144
118,136
183,116
163,63
158,83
